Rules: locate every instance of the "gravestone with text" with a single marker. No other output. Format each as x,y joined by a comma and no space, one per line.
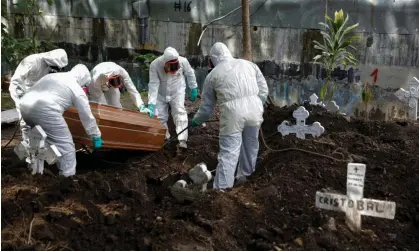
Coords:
36,151
300,128
353,203
411,97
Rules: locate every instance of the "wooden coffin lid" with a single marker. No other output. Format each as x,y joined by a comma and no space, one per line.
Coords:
120,128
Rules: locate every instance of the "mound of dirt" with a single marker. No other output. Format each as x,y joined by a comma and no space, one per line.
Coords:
120,200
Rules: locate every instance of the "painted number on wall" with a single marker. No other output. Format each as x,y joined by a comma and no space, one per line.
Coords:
186,6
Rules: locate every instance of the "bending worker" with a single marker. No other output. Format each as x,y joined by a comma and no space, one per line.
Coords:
44,105
108,77
167,88
30,70
240,89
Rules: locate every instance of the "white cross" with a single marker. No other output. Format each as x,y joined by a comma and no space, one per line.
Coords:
37,150
301,129
353,203
200,175
313,100
411,97
332,107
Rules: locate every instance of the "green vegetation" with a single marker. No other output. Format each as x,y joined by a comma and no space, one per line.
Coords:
334,50
145,61
366,96
6,101
15,49
127,103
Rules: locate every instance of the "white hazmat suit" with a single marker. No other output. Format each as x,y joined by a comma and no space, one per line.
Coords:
240,89
168,89
101,92
30,70
45,103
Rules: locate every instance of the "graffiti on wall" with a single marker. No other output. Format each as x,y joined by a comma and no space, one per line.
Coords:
186,6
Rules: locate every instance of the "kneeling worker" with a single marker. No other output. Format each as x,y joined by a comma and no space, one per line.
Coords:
45,103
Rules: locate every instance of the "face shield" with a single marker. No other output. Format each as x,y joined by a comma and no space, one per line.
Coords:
171,66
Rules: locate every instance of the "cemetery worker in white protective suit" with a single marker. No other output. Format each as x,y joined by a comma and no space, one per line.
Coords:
167,88
45,103
107,78
240,89
30,70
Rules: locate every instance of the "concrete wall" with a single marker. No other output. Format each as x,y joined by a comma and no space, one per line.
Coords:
93,31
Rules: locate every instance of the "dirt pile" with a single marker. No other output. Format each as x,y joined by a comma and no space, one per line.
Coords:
110,206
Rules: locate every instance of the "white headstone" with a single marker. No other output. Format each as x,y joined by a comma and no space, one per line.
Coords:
353,203
37,150
301,129
313,100
332,107
200,175
411,97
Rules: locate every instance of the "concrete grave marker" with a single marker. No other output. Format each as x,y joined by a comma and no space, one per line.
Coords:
353,203
200,175
301,129
332,107
410,97
313,100
37,150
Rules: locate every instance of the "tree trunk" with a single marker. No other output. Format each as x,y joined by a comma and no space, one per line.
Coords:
246,30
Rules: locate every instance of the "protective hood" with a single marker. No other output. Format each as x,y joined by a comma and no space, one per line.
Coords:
56,57
170,53
82,75
219,52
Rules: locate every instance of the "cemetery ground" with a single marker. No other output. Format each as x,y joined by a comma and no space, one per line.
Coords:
109,206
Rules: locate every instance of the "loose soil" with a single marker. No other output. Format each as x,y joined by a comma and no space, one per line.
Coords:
109,206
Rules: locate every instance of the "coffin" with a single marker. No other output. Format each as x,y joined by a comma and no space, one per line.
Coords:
120,128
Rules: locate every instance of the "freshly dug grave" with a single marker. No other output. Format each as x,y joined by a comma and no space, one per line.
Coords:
110,206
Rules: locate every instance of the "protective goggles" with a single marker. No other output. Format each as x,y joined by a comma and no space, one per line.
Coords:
115,81
172,66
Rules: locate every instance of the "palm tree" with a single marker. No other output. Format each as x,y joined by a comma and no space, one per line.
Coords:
336,40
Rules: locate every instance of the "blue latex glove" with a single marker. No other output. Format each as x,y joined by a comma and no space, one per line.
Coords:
144,109
151,110
97,142
194,124
194,94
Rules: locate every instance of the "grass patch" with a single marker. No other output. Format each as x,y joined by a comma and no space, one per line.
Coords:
6,101
127,102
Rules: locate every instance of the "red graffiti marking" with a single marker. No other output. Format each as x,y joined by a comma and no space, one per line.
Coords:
374,76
